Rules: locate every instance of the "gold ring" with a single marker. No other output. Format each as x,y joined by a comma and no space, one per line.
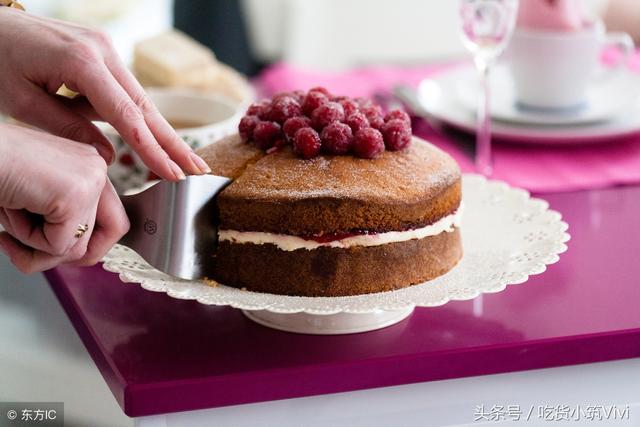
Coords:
81,230
11,3
64,91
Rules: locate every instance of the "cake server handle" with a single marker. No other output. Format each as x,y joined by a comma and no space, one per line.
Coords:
174,224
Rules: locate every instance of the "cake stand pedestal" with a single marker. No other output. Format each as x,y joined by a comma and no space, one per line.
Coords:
329,324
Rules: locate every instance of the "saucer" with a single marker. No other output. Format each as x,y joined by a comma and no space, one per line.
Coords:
437,98
610,94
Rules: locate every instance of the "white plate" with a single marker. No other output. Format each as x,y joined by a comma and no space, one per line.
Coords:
609,96
437,99
506,235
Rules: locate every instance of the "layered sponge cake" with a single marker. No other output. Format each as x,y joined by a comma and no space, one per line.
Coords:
334,224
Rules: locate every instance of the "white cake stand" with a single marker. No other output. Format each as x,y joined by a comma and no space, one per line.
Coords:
507,236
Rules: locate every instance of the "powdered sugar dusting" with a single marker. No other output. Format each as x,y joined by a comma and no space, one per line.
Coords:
417,173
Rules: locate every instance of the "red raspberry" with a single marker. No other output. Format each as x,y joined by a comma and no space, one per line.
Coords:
246,126
292,125
284,108
260,109
299,96
312,101
368,143
397,134
363,102
325,114
322,90
336,138
371,108
373,113
357,121
350,106
397,115
306,143
280,95
266,134
376,121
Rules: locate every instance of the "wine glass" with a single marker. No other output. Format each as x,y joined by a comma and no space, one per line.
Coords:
486,26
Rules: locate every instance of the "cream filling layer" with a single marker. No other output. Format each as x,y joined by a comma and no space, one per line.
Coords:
287,242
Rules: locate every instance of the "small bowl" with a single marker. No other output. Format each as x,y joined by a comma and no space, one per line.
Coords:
208,118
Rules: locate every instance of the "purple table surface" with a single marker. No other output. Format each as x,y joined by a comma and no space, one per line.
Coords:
161,355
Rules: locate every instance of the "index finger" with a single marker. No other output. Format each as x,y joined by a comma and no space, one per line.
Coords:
161,129
112,102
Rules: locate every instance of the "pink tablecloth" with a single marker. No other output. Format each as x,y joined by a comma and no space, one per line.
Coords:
537,168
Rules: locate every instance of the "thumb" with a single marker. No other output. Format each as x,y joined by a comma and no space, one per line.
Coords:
51,115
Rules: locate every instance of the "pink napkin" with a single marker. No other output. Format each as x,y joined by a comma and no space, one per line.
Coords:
536,168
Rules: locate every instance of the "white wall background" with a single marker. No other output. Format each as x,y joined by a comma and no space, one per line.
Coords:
336,34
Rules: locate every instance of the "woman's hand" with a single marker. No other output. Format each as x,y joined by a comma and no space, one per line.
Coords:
48,187
38,55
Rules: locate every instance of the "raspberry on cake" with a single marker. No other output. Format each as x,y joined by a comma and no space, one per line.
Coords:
397,134
312,101
357,121
399,115
294,124
337,121
368,143
284,108
336,138
326,114
307,143
332,210
265,134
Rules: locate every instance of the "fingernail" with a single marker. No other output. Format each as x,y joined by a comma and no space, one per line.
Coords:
200,163
177,172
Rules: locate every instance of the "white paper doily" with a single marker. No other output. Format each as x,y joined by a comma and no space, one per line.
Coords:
507,236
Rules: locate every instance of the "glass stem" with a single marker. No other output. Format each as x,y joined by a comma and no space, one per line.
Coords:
484,161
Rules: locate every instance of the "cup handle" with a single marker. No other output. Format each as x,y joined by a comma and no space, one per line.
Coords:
623,43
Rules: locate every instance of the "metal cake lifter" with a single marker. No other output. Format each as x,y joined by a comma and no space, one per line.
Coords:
174,224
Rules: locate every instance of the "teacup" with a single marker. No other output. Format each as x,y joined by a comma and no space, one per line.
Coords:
198,118
553,69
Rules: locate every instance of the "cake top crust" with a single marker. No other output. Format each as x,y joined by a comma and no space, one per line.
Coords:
281,193
230,156
420,172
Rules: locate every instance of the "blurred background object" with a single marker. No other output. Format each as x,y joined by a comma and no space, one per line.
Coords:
339,34
125,22
325,35
221,26
624,15
173,59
